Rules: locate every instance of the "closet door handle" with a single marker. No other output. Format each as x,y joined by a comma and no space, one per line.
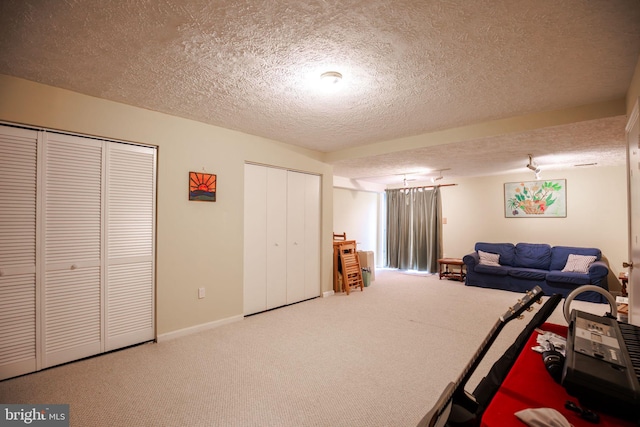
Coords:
1,273
74,267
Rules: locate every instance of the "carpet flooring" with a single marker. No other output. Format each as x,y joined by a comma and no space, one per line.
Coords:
380,357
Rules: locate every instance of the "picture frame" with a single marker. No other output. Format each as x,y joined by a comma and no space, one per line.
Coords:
536,199
202,186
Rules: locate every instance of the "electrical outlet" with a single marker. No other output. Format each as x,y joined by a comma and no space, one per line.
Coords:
200,293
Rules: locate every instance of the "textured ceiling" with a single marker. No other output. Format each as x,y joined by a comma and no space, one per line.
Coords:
409,67
558,147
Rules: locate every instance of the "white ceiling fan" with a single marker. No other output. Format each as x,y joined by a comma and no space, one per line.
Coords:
405,180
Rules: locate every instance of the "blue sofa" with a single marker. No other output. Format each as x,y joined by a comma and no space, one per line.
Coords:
522,266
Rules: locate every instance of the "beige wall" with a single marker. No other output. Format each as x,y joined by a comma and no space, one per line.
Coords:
198,244
596,215
356,213
474,211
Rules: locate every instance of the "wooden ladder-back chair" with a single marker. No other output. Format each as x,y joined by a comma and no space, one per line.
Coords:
351,272
342,236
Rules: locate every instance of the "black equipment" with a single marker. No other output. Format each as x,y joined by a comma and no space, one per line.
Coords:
489,385
553,362
602,367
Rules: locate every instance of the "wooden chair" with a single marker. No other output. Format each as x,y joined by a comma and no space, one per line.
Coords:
342,236
351,272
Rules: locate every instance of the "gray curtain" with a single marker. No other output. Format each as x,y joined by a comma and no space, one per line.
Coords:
414,230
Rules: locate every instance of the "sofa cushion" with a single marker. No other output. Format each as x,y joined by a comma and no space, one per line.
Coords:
491,269
598,271
528,273
505,250
533,255
488,258
578,263
577,279
560,254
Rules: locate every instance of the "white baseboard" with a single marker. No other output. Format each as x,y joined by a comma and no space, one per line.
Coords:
198,328
327,294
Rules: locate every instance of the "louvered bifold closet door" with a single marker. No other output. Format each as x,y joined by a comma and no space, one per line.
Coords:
18,156
130,245
73,190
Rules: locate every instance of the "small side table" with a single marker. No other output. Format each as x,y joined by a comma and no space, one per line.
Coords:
454,273
624,279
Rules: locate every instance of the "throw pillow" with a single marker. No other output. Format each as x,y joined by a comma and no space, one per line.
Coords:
543,417
578,263
487,258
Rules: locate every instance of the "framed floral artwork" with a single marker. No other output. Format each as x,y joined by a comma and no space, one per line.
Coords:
202,186
536,199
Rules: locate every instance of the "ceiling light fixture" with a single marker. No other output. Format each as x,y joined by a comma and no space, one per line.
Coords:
439,177
534,167
331,78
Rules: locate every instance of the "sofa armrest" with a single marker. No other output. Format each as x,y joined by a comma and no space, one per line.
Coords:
598,272
471,260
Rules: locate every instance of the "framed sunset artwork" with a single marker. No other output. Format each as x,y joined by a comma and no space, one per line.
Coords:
202,187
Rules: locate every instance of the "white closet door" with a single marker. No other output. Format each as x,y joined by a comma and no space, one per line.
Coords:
72,307
276,237
281,238
129,299
255,239
18,154
296,247
312,236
